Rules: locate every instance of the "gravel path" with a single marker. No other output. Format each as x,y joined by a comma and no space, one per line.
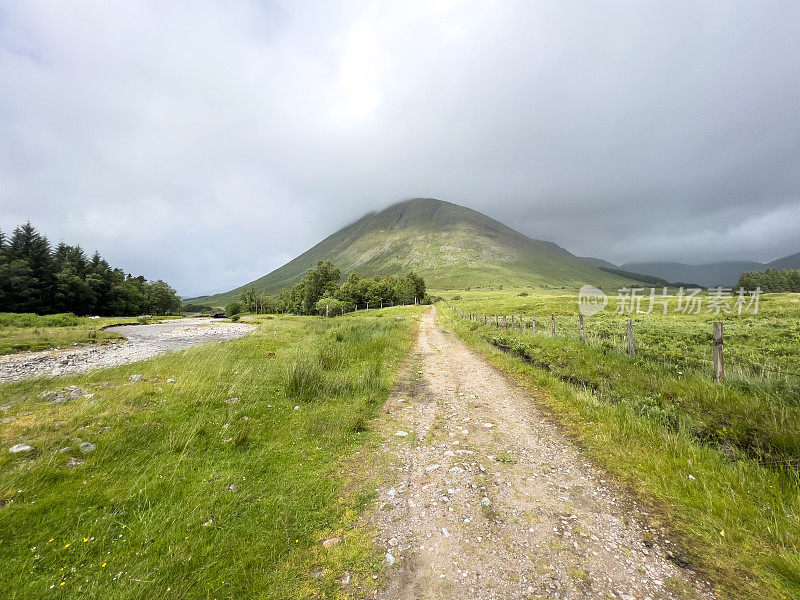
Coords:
143,342
492,501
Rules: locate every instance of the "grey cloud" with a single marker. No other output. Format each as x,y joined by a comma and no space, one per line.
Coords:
208,143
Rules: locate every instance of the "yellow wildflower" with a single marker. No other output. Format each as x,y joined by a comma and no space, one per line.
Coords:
67,546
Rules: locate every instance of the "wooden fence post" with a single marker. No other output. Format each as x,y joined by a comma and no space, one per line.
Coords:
631,347
484,319
533,325
583,338
505,323
553,323
520,323
719,365
327,311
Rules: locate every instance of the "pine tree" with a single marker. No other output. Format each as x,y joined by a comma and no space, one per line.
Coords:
32,279
4,274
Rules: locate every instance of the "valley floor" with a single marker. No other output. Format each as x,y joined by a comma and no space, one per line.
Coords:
491,500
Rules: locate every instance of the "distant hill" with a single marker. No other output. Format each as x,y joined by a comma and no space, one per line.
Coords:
787,262
599,262
650,279
712,274
449,245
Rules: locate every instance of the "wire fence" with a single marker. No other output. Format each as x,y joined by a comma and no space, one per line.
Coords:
687,347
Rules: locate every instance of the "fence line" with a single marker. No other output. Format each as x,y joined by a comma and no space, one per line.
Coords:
717,361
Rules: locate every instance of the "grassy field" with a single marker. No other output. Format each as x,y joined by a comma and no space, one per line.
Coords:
190,493
718,463
24,332
763,345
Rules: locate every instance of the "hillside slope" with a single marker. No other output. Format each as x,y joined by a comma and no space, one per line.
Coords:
787,262
711,274
449,245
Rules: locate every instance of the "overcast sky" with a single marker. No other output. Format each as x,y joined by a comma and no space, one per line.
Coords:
208,143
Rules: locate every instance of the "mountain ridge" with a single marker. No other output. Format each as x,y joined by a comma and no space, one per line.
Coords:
451,246
724,273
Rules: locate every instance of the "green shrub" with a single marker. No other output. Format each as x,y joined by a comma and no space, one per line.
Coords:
34,320
232,308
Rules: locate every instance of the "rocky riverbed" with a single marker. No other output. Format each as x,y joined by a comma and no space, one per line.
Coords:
142,342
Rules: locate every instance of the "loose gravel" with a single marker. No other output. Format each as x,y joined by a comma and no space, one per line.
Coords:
142,342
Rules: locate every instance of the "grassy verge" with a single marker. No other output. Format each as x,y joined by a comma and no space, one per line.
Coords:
190,493
737,519
26,332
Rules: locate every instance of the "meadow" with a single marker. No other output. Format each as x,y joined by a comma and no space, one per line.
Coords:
718,463
765,345
217,474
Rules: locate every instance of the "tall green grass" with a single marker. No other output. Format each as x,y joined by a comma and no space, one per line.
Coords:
34,320
151,512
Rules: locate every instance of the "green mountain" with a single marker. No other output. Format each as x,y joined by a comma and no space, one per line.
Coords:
451,246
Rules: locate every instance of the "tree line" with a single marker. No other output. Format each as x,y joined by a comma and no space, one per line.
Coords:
36,278
320,288
771,280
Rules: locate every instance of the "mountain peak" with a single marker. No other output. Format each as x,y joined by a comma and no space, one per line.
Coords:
451,246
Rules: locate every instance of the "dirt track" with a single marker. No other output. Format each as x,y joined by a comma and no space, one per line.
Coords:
491,500
142,342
